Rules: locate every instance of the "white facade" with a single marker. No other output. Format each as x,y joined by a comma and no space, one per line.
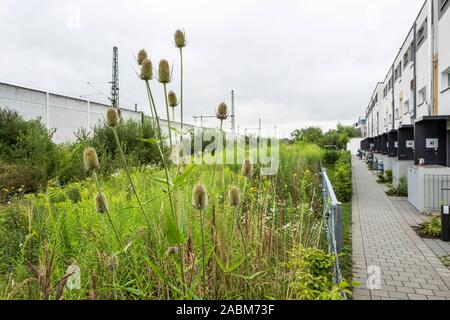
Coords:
420,73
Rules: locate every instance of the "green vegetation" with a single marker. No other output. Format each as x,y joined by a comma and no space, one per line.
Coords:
313,270
338,137
431,228
400,191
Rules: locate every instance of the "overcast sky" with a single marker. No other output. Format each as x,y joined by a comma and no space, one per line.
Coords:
293,63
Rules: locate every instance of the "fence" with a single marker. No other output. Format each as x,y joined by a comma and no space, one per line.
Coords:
436,191
332,210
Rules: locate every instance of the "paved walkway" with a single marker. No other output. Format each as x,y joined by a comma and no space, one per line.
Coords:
387,251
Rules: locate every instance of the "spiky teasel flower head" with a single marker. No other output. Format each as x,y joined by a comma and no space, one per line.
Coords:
164,74
100,203
173,101
247,168
222,111
147,70
200,197
234,197
142,56
90,159
180,39
112,117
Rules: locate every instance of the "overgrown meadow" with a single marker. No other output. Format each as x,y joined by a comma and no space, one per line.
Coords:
167,231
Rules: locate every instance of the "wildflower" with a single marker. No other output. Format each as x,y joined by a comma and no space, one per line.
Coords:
234,197
147,70
142,56
91,159
222,112
173,102
200,198
100,203
247,168
164,75
180,39
112,117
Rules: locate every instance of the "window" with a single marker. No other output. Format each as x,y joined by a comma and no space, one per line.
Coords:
422,96
443,6
400,69
406,106
422,33
405,59
396,114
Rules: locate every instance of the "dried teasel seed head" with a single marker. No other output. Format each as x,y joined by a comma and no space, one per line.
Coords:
222,111
147,70
142,56
173,101
199,198
90,159
247,168
100,203
172,250
180,39
164,75
112,117
234,197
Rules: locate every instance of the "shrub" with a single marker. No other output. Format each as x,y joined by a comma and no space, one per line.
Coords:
20,179
331,156
400,191
431,228
131,135
313,275
342,180
27,154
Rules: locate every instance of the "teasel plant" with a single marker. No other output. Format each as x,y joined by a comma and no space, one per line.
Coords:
112,120
200,203
146,71
147,75
180,43
165,77
221,114
91,165
234,198
173,103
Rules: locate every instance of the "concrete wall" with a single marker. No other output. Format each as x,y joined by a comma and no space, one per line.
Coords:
64,114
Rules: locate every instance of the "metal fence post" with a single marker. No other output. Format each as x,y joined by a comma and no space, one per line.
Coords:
338,227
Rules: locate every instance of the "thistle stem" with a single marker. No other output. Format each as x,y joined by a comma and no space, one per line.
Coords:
166,171
116,234
203,251
122,154
181,94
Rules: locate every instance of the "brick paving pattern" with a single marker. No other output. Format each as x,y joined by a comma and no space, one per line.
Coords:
384,243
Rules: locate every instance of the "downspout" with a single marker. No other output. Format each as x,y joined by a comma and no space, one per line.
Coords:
393,96
430,57
414,57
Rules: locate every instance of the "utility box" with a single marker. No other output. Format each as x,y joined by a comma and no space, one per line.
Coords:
428,187
405,154
400,170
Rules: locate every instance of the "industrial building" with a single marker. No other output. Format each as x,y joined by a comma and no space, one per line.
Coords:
408,116
63,114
